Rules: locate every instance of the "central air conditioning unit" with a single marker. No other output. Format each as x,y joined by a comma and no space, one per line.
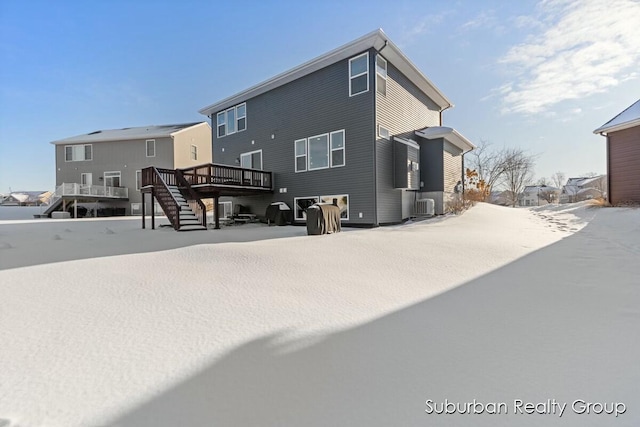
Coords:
425,207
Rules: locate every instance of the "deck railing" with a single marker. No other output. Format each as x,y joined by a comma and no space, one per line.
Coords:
228,176
75,189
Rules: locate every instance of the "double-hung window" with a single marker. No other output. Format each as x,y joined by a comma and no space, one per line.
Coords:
232,120
301,155
194,152
151,147
381,75
78,153
337,148
320,151
359,74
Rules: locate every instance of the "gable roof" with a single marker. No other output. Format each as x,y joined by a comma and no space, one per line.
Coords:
627,119
376,39
125,134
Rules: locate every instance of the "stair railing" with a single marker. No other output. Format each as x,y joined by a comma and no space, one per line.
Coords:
167,200
193,200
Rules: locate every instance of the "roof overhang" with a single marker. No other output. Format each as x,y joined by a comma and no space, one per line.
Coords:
126,134
449,134
376,39
603,130
406,141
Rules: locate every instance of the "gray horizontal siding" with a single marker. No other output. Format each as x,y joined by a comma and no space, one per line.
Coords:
315,104
403,110
123,156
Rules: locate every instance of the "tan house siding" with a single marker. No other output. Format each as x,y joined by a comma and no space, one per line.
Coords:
624,165
200,136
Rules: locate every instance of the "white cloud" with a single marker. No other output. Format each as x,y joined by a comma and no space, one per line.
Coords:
582,47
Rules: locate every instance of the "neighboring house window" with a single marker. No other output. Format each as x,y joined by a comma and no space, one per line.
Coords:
136,209
78,153
320,151
359,74
194,152
232,120
337,149
301,155
381,75
151,147
302,204
86,179
383,132
138,180
251,160
343,204
112,179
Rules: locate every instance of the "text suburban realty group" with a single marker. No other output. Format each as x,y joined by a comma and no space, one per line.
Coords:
549,407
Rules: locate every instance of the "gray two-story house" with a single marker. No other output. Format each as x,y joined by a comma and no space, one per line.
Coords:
102,170
360,125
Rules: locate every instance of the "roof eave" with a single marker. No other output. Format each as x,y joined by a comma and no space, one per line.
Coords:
375,39
603,130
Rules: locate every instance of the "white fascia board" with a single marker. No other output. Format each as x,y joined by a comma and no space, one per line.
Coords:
450,134
189,128
603,130
376,39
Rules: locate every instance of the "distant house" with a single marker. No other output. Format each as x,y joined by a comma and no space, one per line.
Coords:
585,188
623,155
359,125
26,198
502,198
102,169
538,195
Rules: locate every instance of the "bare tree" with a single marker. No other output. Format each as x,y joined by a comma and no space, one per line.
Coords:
558,179
548,196
518,171
487,165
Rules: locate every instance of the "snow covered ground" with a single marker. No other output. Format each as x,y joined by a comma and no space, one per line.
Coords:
105,324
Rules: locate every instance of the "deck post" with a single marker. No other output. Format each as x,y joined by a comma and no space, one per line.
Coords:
217,212
143,218
75,208
153,210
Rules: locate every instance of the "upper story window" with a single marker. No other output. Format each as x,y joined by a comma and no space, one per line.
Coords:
151,147
78,153
232,120
359,74
320,151
194,152
381,75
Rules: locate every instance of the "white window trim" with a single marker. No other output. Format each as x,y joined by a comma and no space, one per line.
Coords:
84,150
250,153
309,168
222,114
380,128
193,155
237,118
296,155
295,206
241,117
112,174
146,147
343,148
358,75
385,74
230,210
338,196
138,182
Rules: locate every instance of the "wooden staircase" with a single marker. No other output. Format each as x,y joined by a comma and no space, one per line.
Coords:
180,203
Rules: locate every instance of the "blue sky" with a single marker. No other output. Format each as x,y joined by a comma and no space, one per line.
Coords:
540,75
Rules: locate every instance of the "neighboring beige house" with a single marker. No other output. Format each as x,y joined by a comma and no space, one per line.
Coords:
25,198
101,170
623,155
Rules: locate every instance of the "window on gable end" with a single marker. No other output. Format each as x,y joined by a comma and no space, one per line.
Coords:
359,74
381,75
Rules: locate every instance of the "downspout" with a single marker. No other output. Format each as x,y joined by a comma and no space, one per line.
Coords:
608,169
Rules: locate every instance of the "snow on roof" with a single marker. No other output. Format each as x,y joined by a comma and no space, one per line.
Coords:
376,39
449,134
628,118
125,134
